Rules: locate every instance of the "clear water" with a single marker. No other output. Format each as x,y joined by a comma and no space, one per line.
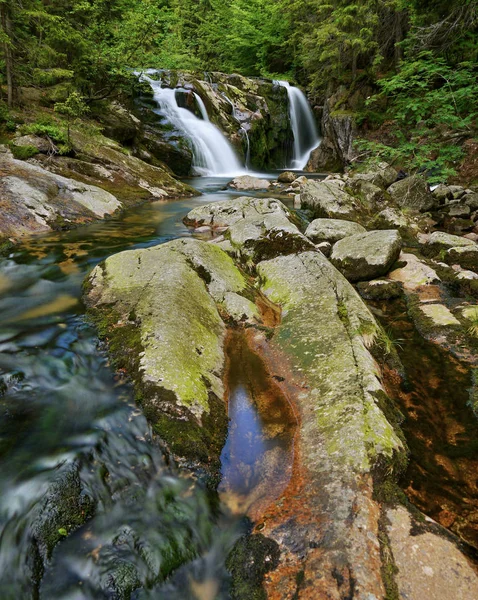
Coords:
62,405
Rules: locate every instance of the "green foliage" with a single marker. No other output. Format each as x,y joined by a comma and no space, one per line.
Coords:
73,107
23,152
47,130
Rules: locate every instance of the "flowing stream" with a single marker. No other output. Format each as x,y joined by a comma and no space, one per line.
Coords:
304,127
66,416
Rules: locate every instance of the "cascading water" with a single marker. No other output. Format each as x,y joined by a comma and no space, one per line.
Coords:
212,153
304,128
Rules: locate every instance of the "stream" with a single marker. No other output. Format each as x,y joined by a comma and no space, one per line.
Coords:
64,413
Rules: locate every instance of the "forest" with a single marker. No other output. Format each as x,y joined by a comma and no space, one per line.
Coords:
414,62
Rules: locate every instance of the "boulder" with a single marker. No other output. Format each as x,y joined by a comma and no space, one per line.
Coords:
390,218
247,182
414,274
258,228
459,210
34,141
158,309
328,199
103,162
412,192
367,255
367,191
33,200
331,230
439,241
381,175
118,122
287,177
177,156
465,256
471,200
336,148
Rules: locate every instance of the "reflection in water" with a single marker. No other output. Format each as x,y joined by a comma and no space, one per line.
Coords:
258,455
63,414
440,428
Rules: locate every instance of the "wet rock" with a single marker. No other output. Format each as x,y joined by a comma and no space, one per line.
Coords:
366,255
336,148
465,256
328,199
33,200
248,562
118,122
158,308
258,228
379,289
440,241
344,434
287,177
428,564
177,156
247,182
414,274
332,230
412,192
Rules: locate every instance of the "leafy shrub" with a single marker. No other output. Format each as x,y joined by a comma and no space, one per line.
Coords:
49,77
54,131
23,152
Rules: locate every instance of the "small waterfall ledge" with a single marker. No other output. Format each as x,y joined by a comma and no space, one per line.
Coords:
213,155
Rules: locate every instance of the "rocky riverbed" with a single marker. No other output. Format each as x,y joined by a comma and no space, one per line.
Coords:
341,527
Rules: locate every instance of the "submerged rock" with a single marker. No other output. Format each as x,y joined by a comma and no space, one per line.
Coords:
158,308
258,228
33,200
332,230
367,255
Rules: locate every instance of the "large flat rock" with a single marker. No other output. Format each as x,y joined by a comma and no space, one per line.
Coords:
331,230
328,199
158,308
367,255
429,565
33,200
327,523
257,228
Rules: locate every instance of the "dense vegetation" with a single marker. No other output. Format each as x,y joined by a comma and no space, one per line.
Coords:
415,61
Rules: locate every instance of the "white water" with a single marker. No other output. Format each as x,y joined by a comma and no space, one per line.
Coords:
213,155
304,128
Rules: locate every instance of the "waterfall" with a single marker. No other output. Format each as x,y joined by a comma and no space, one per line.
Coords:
202,107
212,153
303,125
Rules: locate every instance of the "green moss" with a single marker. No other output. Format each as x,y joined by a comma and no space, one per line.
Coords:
251,558
388,569
6,247
23,152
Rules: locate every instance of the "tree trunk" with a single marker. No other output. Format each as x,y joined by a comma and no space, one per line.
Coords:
398,35
6,23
